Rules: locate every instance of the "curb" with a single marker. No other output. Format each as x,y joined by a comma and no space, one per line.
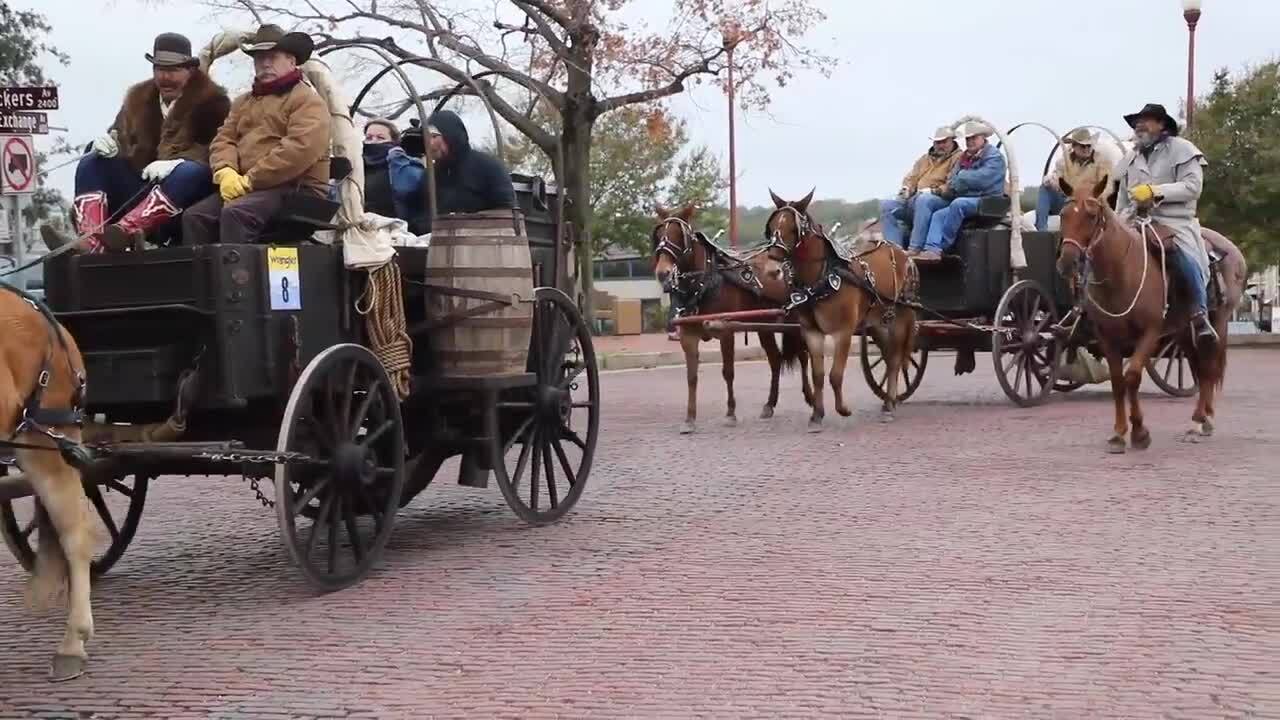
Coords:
755,353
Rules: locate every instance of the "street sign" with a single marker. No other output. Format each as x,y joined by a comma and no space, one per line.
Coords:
29,98
16,122
17,165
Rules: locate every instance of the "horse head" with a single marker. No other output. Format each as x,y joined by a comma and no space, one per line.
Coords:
1083,221
673,243
788,226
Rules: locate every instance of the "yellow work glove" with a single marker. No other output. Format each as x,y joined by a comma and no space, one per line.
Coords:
231,184
1143,193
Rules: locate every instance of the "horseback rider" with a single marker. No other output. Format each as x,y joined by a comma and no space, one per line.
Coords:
1166,173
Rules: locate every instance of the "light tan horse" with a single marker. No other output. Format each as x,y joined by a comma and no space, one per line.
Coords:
35,350
706,280
845,297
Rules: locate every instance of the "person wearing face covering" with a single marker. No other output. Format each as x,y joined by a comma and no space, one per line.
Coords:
380,135
160,136
467,180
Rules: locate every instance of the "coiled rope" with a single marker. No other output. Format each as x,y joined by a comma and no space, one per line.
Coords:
385,324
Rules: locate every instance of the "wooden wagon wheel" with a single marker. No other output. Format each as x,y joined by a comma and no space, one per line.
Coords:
1169,369
1025,355
344,414
18,520
557,425
877,373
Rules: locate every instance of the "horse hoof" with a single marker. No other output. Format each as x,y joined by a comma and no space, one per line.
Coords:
886,417
844,411
731,421
1141,441
686,428
1115,445
66,667
766,413
1206,428
1192,436
815,426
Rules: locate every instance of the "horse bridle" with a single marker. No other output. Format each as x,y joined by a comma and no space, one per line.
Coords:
1094,239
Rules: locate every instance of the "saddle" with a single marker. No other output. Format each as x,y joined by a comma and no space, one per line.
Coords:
1160,241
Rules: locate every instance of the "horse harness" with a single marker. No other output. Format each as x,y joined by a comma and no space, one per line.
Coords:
36,418
835,269
689,289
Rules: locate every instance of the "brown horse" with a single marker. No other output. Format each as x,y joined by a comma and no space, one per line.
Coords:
1125,299
37,352
704,279
843,297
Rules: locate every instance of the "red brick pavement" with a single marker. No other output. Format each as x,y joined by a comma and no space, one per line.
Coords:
972,560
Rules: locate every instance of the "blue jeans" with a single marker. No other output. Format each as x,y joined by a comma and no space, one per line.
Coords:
944,227
1191,271
918,209
1050,202
187,184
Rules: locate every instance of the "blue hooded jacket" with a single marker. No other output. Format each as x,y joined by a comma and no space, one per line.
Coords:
467,180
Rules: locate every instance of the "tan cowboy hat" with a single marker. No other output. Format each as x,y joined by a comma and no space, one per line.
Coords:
972,128
1081,136
273,37
943,133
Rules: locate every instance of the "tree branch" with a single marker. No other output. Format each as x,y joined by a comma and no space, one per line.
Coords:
671,88
548,33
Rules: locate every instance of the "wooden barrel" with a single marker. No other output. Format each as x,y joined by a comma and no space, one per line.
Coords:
478,272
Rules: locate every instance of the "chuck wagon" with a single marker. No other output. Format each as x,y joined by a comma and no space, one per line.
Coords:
287,361
998,290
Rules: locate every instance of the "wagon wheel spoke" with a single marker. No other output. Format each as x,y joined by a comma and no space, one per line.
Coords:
571,377
362,410
533,474
120,487
347,392
549,470
377,434
28,529
305,499
100,504
326,506
564,464
349,520
1017,380
375,511
526,448
520,432
333,534
572,437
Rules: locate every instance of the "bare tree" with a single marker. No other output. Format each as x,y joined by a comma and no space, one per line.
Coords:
580,57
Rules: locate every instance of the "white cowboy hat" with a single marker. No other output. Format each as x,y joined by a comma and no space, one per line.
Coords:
943,133
972,128
1082,136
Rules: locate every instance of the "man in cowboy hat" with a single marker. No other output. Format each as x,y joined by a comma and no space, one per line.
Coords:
1082,165
158,144
1166,173
467,180
977,174
917,199
274,142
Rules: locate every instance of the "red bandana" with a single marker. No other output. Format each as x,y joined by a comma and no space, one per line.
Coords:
279,86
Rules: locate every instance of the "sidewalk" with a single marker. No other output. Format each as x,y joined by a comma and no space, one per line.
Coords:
629,352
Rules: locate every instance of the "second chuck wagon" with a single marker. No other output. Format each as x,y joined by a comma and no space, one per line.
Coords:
347,387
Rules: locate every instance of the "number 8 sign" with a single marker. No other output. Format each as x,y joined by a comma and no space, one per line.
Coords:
284,279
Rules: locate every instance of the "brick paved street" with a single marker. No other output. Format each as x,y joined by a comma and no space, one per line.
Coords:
971,560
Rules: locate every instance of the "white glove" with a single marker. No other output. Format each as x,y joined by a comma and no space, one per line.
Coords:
159,170
106,146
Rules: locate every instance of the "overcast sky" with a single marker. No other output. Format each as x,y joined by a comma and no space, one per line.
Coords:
905,67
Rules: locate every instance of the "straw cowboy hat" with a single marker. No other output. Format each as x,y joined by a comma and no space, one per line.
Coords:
943,133
1155,111
1081,136
972,128
171,50
273,37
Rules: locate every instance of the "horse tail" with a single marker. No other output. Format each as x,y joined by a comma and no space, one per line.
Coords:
793,348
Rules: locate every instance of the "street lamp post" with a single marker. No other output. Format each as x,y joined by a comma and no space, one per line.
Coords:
1191,13
732,36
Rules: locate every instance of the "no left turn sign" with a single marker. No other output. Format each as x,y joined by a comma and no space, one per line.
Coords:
18,165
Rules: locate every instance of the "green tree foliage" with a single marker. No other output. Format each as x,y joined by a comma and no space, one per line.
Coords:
24,47
640,158
1237,125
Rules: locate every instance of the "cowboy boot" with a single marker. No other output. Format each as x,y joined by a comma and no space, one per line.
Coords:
91,215
154,210
1202,328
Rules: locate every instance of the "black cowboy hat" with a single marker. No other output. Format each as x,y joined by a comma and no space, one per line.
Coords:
273,37
171,50
1152,110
